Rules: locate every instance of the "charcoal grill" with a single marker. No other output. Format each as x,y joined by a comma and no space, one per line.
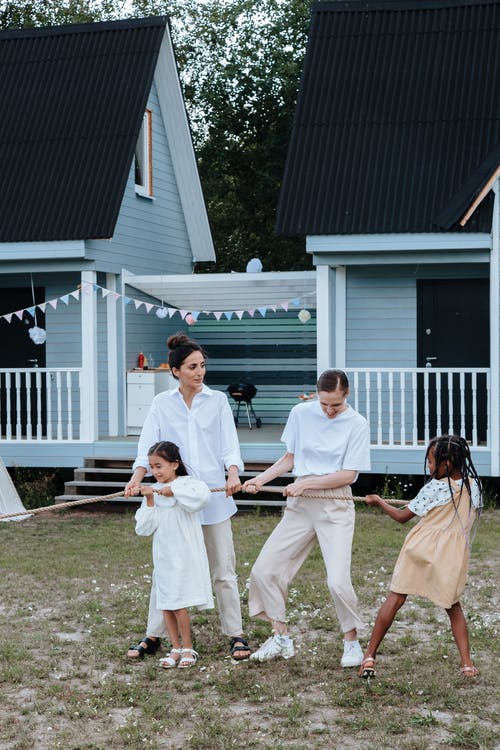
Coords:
242,393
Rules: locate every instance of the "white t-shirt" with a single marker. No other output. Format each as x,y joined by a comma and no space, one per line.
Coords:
321,445
207,440
437,492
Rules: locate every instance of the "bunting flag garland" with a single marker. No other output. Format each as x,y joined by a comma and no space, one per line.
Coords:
189,316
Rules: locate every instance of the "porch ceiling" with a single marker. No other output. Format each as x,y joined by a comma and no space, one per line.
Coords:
229,291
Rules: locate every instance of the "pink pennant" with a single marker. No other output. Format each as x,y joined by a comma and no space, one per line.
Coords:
284,305
183,313
251,312
148,306
8,317
19,314
217,315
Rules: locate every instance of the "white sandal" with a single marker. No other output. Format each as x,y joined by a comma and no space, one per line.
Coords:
188,658
168,661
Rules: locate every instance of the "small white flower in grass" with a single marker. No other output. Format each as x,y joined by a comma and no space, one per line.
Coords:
382,598
445,656
94,580
246,564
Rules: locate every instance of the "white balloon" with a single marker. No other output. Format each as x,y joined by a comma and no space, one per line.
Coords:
38,335
161,312
304,316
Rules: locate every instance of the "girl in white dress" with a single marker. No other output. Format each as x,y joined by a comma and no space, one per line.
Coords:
181,574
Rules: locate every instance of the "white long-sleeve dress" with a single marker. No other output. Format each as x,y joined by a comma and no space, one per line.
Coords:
181,576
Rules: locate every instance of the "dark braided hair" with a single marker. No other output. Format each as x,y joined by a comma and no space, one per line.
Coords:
454,452
170,452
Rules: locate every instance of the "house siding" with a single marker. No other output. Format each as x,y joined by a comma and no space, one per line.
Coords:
277,354
381,327
150,234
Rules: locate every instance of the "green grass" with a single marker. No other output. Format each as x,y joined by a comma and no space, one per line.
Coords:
74,596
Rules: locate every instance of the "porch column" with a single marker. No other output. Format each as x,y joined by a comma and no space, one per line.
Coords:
116,358
494,416
340,317
88,385
324,317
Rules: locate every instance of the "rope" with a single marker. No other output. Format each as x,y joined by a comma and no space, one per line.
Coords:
277,490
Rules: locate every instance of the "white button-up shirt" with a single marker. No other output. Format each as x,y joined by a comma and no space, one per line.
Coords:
206,437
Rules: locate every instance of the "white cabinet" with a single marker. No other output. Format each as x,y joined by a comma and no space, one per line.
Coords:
142,387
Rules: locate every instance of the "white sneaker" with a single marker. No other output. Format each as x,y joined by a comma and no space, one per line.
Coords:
276,645
353,655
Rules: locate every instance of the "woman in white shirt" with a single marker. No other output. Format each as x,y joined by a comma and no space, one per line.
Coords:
198,420
327,444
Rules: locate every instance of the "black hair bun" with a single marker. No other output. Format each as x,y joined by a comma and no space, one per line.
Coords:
177,340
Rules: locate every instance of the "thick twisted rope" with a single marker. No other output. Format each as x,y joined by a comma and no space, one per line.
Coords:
326,495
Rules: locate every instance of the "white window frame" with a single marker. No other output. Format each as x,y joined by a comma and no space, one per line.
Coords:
144,157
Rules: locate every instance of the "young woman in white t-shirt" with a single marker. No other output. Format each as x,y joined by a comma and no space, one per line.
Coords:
327,444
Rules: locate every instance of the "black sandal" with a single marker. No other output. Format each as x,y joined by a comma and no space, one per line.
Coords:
237,645
151,647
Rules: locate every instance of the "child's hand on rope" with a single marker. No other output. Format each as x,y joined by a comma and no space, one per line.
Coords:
166,491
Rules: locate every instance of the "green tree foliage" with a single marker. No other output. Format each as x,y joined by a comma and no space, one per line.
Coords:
35,13
240,64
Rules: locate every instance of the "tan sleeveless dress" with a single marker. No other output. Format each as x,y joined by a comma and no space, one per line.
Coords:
434,558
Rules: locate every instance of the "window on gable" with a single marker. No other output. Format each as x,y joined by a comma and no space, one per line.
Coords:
144,157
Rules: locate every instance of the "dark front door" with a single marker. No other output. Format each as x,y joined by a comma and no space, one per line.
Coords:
453,331
18,350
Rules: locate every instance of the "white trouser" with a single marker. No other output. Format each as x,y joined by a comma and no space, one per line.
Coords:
221,558
331,522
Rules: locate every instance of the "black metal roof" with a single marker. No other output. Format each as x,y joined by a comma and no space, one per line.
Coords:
72,99
397,125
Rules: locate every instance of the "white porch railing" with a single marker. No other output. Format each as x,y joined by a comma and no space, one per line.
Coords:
40,404
406,407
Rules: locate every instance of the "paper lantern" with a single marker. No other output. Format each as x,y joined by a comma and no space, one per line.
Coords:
304,316
38,335
162,312
190,319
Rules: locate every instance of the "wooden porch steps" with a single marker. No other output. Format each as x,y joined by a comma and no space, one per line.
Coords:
104,476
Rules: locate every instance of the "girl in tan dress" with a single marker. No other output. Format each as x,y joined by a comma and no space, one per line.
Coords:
434,558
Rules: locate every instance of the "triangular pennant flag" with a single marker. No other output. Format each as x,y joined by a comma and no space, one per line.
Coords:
183,313
31,311
171,311
228,314
148,306
284,305
96,287
53,303
105,292
251,312
195,314
126,300
115,295
217,315
295,301
75,294
8,317
239,313
262,311
19,314
65,299
138,303
273,307
86,288
42,306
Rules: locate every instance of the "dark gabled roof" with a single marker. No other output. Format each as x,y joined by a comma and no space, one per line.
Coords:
397,126
72,99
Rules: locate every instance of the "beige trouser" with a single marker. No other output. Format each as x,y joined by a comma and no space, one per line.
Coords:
221,558
331,522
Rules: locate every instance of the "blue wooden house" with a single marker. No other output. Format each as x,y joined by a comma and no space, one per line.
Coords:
99,181
393,176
